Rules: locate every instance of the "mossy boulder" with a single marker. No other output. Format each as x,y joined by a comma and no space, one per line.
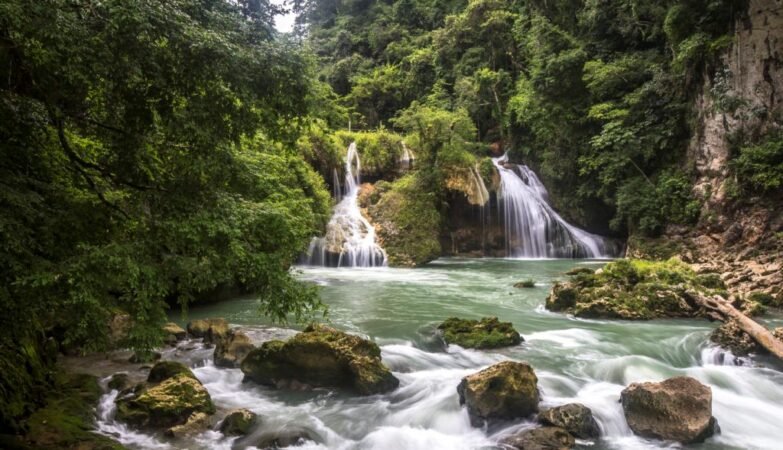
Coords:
525,284
120,382
486,333
212,330
677,409
169,399
238,422
231,351
507,390
633,290
575,418
321,356
173,333
545,438
195,424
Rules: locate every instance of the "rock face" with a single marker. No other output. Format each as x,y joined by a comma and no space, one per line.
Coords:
231,351
575,418
321,356
677,409
488,332
731,337
169,399
546,438
238,422
506,390
212,330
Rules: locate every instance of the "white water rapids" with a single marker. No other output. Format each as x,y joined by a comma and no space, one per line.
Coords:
586,361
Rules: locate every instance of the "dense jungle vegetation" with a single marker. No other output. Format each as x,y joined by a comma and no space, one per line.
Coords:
153,153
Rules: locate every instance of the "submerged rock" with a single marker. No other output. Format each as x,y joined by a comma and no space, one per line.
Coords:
730,336
677,409
238,422
212,330
486,333
231,351
506,390
321,356
575,418
546,438
169,398
284,439
525,284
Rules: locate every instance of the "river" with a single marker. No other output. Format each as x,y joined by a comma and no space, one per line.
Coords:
576,360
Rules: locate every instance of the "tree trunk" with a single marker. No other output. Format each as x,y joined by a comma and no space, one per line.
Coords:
722,310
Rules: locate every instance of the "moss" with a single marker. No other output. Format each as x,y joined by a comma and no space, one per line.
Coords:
486,333
379,151
525,284
167,404
580,271
653,248
168,369
633,289
762,298
67,419
407,222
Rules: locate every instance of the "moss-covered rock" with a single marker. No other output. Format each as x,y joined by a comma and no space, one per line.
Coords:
174,332
731,337
231,351
120,382
545,438
171,402
407,222
507,390
486,333
238,422
212,330
525,284
195,424
575,418
321,356
633,289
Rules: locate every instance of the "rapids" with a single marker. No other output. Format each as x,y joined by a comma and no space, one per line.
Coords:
587,361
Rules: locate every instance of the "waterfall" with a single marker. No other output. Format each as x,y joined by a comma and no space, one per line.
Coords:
407,158
532,228
350,239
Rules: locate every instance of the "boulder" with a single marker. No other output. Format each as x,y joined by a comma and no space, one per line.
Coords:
120,382
486,333
525,284
173,332
230,352
506,390
546,438
238,422
575,418
170,398
731,337
321,356
284,439
677,409
196,423
212,330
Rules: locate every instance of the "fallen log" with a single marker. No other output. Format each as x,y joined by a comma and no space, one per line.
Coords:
721,309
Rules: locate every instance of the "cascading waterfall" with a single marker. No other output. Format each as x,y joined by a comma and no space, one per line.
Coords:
533,229
407,158
350,239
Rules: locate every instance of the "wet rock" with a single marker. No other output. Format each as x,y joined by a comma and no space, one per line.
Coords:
284,439
173,333
238,422
575,418
525,284
506,390
167,369
196,423
562,298
212,330
546,438
486,333
120,382
321,356
677,409
169,398
731,337
231,351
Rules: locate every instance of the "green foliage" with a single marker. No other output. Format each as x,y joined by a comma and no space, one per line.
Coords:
379,151
759,167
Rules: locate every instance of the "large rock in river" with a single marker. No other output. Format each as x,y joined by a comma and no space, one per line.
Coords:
488,332
231,351
677,409
169,398
321,356
575,418
546,438
212,330
507,390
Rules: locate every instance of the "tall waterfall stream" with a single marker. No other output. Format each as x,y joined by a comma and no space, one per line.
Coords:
576,360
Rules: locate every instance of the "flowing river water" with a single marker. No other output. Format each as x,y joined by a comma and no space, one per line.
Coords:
576,360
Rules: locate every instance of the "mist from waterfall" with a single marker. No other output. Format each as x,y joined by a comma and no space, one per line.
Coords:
532,228
350,239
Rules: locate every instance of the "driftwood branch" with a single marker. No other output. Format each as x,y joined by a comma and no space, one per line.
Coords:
720,308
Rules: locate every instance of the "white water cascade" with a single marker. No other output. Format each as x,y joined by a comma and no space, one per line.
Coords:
533,229
350,239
